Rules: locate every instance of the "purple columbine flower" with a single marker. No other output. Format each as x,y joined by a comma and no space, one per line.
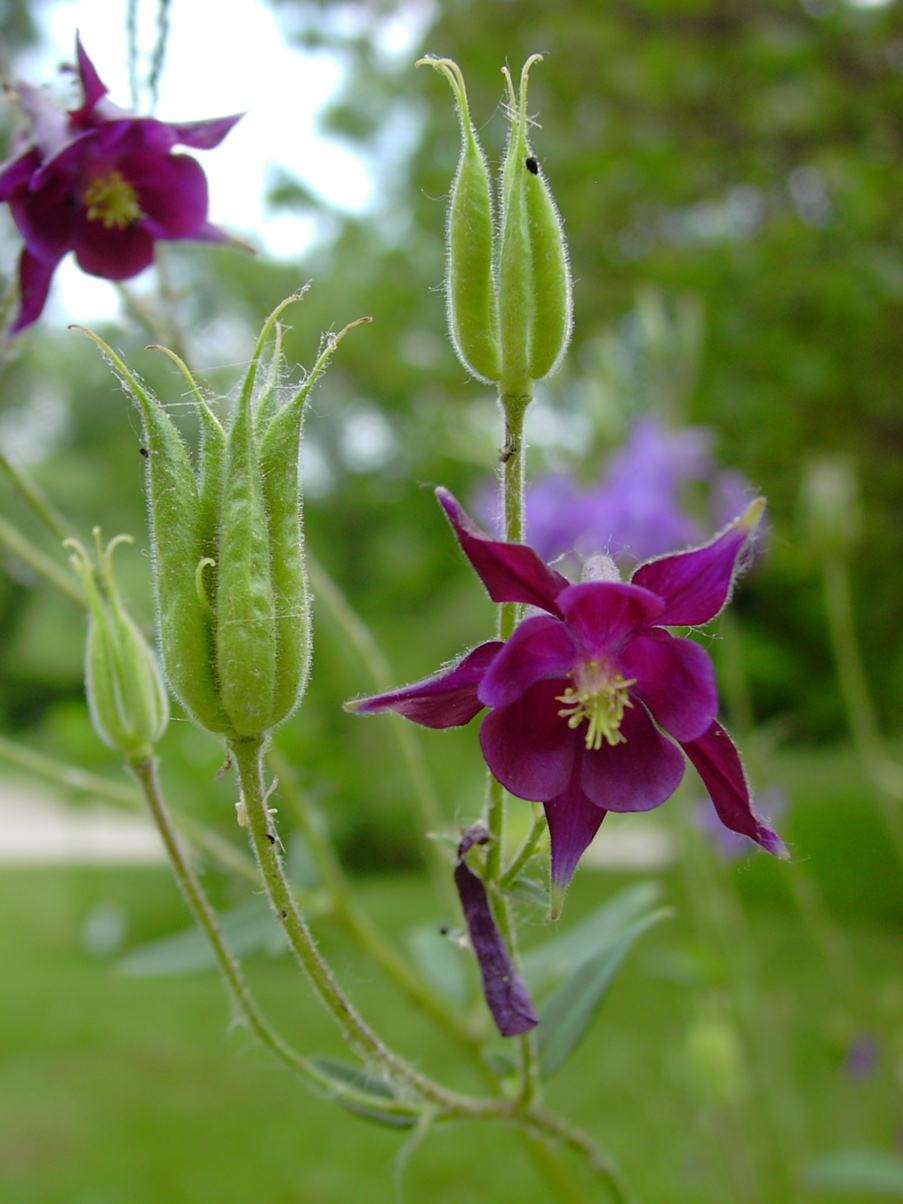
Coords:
591,699
103,183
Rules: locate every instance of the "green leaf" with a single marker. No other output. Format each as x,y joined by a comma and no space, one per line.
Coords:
247,928
345,1076
567,1014
551,961
439,961
878,1172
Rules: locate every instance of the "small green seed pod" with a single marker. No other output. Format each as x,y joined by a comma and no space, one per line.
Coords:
127,699
534,277
177,539
550,330
469,281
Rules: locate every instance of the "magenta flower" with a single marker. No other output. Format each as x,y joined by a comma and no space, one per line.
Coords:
591,699
102,183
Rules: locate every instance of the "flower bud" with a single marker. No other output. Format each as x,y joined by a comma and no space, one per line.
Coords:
469,279
830,509
231,589
127,699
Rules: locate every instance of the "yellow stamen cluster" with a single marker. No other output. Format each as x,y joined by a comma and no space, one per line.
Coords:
599,695
111,199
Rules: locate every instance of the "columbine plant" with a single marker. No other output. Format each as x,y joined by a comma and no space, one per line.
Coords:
104,183
591,701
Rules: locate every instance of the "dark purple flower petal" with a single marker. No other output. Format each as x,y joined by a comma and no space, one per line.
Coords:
539,649
637,774
695,585
447,699
114,253
503,988
573,821
92,86
18,171
529,749
676,681
34,283
601,614
718,764
46,217
204,135
511,572
172,192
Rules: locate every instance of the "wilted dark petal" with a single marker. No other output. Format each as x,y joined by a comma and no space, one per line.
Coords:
573,822
94,89
636,775
18,171
718,764
34,282
540,648
695,585
601,613
511,572
204,135
676,681
529,749
447,699
112,253
172,192
503,988
46,217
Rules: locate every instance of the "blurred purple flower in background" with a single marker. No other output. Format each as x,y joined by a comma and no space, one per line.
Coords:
101,182
635,512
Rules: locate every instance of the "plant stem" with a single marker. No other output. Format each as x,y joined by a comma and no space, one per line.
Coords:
145,772
527,849
23,549
361,639
357,921
886,774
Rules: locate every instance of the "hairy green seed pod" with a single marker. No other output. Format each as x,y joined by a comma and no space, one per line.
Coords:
232,595
177,537
127,699
279,451
534,276
469,281
245,606
550,330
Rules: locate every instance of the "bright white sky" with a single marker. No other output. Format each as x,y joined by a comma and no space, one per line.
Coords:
222,58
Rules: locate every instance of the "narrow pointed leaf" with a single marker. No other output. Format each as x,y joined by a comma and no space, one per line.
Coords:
345,1076
567,1014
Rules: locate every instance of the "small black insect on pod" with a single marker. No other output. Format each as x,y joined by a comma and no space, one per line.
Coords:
532,166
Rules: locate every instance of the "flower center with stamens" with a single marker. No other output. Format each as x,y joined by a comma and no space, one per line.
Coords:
111,199
598,695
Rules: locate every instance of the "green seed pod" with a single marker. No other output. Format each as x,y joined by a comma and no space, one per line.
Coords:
534,277
550,330
177,538
469,280
279,451
232,595
126,696
245,606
